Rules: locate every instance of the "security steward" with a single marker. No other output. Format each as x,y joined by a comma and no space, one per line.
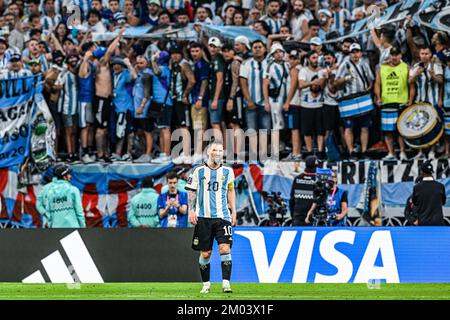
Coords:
60,202
428,198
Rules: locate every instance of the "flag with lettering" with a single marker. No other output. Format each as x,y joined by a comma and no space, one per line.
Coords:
17,106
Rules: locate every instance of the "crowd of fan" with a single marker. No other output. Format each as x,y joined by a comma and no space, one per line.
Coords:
108,99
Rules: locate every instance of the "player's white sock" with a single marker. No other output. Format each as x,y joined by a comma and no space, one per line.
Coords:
207,284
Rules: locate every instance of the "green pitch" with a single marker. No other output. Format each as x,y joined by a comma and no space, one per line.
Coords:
247,291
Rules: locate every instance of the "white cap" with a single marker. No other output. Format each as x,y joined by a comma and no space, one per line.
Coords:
215,42
276,46
316,41
355,46
326,12
244,40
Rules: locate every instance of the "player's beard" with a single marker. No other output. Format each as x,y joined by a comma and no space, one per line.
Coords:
217,160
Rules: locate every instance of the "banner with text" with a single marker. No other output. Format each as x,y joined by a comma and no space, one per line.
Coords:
396,178
17,106
338,255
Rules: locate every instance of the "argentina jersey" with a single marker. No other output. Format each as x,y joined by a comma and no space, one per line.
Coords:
48,23
253,71
274,24
279,76
9,74
69,99
447,87
340,16
427,90
211,187
173,4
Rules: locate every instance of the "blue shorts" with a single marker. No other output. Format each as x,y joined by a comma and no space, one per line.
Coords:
389,121
258,118
216,116
359,122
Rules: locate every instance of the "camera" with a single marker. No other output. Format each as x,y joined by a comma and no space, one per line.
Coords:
277,210
422,65
322,188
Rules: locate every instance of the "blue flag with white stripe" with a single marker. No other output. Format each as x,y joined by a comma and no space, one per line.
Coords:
17,107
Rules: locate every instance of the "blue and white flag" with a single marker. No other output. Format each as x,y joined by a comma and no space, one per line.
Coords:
17,106
229,33
434,14
395,13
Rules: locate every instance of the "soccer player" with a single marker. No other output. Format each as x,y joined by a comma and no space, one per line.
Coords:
211,198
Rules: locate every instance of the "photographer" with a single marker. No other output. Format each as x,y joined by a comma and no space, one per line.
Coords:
330,202
301,198
172,205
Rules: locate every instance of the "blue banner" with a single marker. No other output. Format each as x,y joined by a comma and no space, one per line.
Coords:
17,107
338,255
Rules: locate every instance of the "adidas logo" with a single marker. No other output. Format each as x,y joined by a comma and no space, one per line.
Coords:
392,75
82,270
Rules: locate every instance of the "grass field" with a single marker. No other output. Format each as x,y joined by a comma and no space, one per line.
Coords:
246,291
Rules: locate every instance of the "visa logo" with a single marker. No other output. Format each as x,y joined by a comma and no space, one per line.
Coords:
380,243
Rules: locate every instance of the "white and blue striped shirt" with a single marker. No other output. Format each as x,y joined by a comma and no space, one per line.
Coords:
447,87
44,62
274,24
4,61
68,98
173,4
339,19
253,71
48,22
361,80
84,5
211,186
42,59
427,90
349,4
278,75
9,74
57,3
